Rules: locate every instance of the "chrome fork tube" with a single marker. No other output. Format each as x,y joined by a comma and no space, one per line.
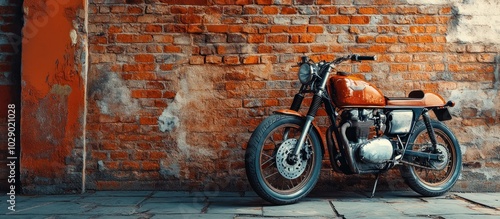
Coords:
313,109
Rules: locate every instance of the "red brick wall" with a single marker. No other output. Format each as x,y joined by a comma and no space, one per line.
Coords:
10,45
176,87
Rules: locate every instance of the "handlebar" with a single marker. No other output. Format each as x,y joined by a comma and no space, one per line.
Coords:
353,57
361,58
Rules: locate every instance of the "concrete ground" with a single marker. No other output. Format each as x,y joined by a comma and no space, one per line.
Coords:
220,205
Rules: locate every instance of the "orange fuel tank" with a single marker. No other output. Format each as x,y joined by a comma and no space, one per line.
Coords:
349,91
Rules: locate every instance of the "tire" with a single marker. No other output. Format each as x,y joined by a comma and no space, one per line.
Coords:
433,182
262,166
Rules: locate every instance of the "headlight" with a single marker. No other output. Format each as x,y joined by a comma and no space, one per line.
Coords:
305,73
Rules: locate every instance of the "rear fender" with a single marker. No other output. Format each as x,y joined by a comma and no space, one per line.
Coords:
315,128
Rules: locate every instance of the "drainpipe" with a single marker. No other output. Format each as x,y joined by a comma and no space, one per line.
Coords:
85,70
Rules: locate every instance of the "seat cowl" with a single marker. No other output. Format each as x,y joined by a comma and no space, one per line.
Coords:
428,100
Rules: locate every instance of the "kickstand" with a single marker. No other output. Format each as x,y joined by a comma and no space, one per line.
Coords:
375,185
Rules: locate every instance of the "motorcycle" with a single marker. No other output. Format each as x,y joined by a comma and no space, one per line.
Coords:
369,133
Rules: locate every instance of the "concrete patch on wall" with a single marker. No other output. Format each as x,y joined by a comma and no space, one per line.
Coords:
482,100
113,96
476,22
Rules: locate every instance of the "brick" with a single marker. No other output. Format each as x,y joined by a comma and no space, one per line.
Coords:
270,10
328,10
109,146
264,2
250,60
131,165
172,49
148,120
139,67
475,48
191,19
307,38
347,10
135,10
256,38
264,49
365,39
425,39
169,95
235,29
153,28
300,49
320,48
360,20
367,10
157,155
118,155
163,39
146,94
128,38
315,29
186,2
148,166
213,59
277,39
417,29
299,29
217,28
269,59
341,19
259,20
195,29
279,29
288,10
197,60
166,67
399,67
386,39
144,58
231,60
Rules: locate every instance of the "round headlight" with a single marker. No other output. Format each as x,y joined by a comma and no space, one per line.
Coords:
305,73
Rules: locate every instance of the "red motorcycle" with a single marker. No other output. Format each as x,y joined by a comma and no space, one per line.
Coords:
369,134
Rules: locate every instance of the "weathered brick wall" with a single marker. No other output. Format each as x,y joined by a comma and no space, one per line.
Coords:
176,87
10,45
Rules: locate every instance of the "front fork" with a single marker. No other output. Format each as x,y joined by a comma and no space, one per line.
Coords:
313,109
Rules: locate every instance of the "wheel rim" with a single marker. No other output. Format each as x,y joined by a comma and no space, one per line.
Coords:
429,177
268,166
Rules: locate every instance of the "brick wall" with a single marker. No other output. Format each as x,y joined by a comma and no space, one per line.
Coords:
176,87
10,45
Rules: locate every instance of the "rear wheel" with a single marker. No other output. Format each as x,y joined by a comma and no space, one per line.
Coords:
433,178
270,175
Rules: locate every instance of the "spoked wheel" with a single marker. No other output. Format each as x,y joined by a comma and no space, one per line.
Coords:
433,178
270,174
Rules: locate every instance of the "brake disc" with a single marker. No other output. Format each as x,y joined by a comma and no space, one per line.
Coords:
284,168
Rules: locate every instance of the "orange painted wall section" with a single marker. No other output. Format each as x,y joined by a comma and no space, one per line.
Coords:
52,95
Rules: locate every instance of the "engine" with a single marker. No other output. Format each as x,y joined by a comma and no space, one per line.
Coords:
367,150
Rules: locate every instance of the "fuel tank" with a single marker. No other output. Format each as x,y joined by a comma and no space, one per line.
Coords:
353,91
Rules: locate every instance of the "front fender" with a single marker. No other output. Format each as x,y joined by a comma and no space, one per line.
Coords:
315,129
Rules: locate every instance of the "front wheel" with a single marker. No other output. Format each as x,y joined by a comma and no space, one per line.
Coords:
433,178
270,175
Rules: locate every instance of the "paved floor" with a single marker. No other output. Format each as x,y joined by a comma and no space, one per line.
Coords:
220,205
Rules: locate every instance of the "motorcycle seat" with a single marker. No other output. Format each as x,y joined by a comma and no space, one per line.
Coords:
417,98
